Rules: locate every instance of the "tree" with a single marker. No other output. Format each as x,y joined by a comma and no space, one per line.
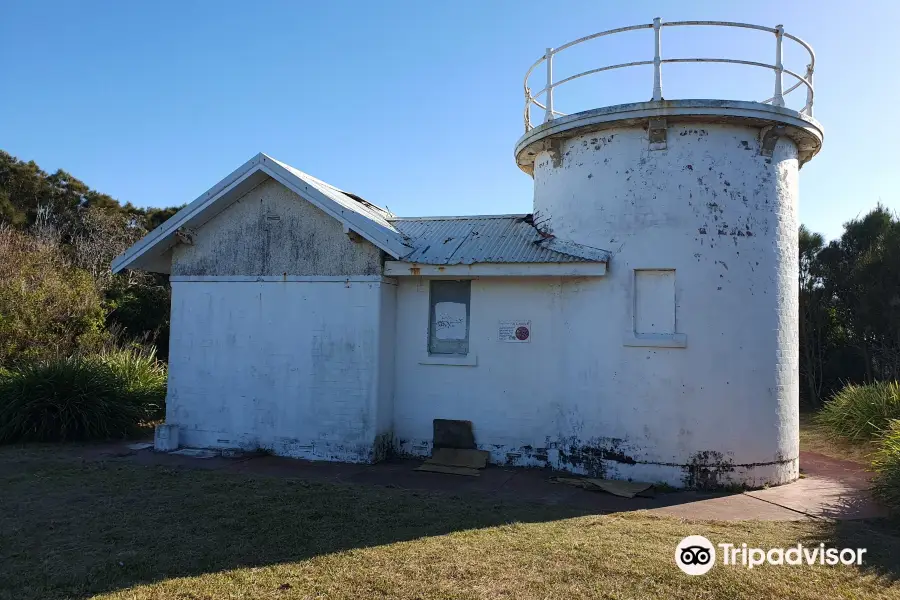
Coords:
850,305
862,273
75,232
813,315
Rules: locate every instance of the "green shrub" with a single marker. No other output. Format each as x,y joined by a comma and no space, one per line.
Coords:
886,463
861,412
140,311
81,397
48,308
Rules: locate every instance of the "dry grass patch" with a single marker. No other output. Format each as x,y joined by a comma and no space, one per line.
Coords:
71,529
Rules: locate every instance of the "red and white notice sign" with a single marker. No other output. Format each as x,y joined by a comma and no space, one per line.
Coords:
515,331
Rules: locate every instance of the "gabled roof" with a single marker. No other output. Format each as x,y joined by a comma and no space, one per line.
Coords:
364,218
487,239
423,240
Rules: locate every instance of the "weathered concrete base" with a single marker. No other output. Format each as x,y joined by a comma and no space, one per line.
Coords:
706,471
323,450
610,460
708,476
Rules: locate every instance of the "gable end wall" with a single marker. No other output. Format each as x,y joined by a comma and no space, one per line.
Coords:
273,231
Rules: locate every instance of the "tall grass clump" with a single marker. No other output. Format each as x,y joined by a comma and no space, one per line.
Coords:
140,377
861,413
886,464
81,397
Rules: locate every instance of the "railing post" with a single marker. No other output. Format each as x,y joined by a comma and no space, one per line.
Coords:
527,110
548,116
779,67
657,63
808,109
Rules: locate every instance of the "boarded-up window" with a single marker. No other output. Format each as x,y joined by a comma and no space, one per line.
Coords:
654,302
448,332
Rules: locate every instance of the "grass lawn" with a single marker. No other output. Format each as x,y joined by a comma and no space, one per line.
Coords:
72,528
816,438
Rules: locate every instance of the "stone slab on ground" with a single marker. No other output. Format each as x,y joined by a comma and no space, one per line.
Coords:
736,507
830,489
450,433
821,498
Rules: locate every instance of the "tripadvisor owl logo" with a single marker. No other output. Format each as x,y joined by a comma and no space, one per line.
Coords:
695,555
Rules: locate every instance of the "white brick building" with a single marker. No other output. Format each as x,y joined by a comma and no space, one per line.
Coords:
640,323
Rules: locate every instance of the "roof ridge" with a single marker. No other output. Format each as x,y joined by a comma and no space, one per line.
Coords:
378,210
460,217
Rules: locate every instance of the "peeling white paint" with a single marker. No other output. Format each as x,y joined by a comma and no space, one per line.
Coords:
292,367
694,384
272,231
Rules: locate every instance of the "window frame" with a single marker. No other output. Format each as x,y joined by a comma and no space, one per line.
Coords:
438,347
652,340
448,352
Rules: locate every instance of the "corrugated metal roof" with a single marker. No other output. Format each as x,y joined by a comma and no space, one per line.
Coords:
345,199
487,239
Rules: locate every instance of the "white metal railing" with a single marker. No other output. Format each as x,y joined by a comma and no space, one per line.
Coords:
777,98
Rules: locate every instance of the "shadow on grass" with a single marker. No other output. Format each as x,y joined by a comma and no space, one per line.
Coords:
72,528
75,529
880,537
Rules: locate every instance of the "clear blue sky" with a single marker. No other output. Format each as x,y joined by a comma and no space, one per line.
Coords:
416,105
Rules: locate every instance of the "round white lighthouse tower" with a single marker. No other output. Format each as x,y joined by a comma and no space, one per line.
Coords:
697,201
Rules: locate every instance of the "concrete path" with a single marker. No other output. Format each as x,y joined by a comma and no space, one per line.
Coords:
829,488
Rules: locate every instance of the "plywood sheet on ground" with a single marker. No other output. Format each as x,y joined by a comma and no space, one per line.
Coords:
454,457
450,470
625,489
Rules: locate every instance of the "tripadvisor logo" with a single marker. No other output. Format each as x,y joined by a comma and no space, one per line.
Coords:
695,555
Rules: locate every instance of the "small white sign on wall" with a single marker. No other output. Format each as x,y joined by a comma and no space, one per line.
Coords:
450,321
515,331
